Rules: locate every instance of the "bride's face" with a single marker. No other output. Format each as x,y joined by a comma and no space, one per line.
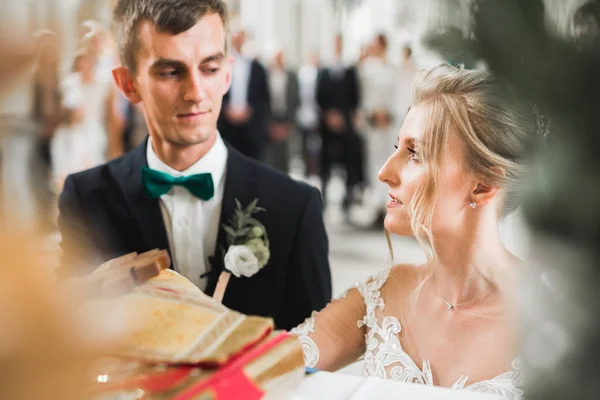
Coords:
404,171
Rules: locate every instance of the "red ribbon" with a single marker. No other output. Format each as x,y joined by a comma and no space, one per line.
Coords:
231,382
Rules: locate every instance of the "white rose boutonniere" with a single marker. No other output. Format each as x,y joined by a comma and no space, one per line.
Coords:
240,260
248,250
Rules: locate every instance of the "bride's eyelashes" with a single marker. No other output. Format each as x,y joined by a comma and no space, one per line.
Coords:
412,152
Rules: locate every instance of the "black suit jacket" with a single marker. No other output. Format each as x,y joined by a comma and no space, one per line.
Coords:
104,213
250,138
340,93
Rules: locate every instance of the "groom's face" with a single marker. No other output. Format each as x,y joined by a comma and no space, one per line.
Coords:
181,80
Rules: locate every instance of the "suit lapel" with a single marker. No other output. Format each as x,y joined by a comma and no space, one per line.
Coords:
144,210
239,184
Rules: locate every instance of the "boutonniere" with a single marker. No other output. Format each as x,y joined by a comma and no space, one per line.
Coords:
248,246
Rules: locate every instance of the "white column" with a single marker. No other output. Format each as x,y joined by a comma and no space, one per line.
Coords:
254,17
310,27
286,28
273,24
70,29
17,21
329,27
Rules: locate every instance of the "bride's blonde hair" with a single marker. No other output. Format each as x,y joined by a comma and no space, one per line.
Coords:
490,120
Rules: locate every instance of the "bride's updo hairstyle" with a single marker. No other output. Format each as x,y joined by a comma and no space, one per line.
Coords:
492,123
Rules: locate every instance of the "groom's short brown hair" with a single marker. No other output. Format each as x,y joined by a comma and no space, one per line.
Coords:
172,16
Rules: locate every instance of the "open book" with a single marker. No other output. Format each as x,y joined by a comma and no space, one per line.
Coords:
180,343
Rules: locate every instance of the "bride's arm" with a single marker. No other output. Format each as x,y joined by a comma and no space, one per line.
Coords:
331,339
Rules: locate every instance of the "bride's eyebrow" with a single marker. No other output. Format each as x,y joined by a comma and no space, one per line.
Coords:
409,141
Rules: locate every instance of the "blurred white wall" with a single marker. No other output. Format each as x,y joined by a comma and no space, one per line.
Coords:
302,26
18,19
296,26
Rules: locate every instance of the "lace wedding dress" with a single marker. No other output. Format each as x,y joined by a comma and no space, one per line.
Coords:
383,353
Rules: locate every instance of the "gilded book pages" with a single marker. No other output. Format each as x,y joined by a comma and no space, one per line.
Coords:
181,344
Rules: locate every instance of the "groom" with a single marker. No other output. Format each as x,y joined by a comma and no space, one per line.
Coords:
175,64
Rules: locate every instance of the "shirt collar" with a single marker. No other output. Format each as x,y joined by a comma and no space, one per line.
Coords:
214,162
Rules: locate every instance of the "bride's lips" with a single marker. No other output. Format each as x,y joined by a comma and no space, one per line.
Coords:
394,202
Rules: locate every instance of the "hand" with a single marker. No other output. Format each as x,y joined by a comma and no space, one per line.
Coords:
238,116
335,121
76,116
279,131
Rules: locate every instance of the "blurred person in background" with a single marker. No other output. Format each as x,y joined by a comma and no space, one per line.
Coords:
338,96
82,141
405,76
47,113
87,27
98,41
283,84
308,114
378,80
46,99
101,47
364,53
246,109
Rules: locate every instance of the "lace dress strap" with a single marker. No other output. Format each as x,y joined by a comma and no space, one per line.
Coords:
370,291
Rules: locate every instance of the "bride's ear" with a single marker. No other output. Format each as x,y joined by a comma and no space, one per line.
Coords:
483,192
124,80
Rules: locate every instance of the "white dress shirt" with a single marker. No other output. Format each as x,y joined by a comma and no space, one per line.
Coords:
192,224
278,85
240,80
337,69
308,113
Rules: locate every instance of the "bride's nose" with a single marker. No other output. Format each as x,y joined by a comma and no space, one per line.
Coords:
390,172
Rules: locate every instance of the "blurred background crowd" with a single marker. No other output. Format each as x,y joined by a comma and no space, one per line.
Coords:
319,91
312,100
321,87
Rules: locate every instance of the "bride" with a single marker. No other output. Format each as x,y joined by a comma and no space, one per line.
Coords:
454,174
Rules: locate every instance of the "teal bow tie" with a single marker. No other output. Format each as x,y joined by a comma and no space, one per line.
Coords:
157,183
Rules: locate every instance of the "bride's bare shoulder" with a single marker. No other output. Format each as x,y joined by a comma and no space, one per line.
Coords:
407,276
